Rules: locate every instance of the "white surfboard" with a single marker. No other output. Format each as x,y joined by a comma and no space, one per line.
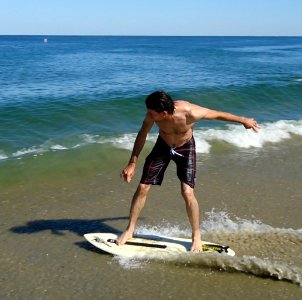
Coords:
149,245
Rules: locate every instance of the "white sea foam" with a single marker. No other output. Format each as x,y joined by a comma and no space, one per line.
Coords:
3,156
234,135
91,139
58,147
219,222
205,138
263,268
164,229
130,263
26,151
237,136
243,264
38,150
125,141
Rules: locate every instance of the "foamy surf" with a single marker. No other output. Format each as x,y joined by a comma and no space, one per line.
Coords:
253,265
222,223
234,135
261,249
243,264
2,156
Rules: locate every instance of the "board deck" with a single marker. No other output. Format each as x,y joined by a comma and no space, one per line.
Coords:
144,245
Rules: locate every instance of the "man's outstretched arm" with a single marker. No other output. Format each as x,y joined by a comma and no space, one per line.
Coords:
199,113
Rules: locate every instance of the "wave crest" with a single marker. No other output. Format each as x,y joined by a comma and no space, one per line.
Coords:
234,135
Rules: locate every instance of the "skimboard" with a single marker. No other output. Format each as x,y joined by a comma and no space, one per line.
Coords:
150,245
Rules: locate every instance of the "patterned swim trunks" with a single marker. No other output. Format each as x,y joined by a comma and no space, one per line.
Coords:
158,160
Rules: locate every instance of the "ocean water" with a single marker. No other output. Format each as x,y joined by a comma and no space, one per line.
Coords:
76,91
70,108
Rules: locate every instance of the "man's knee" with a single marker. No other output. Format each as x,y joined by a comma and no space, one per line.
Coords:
186,191
143,188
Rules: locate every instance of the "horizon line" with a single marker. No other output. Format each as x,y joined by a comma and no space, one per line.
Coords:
148,35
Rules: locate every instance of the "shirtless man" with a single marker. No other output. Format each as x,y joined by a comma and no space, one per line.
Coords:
175,121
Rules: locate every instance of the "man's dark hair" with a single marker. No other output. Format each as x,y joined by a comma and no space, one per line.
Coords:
160,101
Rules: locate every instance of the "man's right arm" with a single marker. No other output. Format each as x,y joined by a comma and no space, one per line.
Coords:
139,143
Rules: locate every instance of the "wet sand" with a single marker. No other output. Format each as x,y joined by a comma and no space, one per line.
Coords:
44,254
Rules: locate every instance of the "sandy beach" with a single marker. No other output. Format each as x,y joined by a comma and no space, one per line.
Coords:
251,202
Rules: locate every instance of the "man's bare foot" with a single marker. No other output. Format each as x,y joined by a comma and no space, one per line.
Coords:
196,246
121,240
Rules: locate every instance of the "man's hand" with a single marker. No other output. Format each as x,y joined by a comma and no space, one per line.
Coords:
128,172
250,124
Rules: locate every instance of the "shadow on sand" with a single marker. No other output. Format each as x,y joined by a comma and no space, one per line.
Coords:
80,227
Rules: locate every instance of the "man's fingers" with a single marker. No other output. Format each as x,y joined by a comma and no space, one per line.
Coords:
125,176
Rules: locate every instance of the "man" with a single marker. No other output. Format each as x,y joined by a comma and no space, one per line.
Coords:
175,121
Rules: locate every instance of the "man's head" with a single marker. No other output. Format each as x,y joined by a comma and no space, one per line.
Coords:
160,102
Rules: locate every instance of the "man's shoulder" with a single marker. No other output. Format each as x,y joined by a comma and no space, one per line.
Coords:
183,104
191,110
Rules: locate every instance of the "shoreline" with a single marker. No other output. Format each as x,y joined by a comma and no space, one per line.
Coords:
244,183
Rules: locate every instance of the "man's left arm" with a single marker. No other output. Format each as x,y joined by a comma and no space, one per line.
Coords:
200,113
248,123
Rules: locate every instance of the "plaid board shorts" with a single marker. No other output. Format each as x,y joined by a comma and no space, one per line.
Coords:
158,160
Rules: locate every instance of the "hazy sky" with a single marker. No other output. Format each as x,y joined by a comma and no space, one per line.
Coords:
151,17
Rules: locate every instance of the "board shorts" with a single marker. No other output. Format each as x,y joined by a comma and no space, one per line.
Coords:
158,160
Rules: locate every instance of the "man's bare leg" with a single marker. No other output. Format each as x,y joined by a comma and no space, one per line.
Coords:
193,214
138,202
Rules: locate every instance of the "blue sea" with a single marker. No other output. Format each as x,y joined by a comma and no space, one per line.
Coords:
70,108
72,91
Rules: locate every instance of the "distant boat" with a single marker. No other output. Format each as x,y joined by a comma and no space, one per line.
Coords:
45,41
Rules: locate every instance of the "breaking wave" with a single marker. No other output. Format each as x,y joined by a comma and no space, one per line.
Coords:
232,134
